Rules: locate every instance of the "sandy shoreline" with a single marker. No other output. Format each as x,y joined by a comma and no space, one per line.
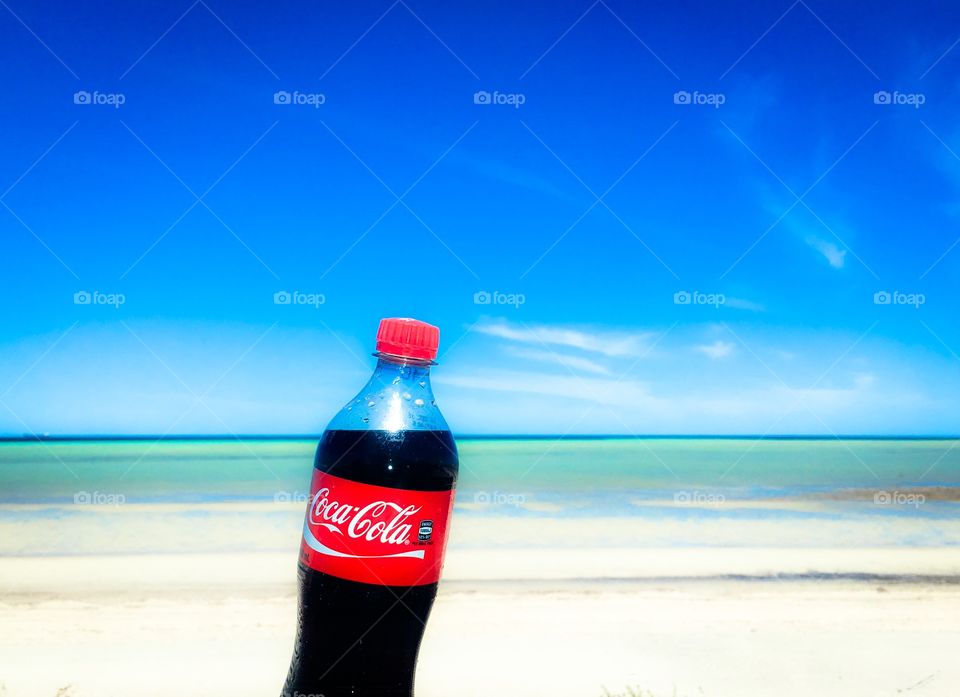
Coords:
191,600
243,528
202,624
274,573
726,640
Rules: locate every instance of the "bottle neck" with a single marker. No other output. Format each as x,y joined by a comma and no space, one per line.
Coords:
394,369
398,397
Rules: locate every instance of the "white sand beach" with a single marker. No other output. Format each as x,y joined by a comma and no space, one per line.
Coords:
545,622
200,599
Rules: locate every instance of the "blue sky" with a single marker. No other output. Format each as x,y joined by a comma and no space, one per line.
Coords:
686,218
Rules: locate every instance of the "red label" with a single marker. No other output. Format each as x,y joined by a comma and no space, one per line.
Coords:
374,534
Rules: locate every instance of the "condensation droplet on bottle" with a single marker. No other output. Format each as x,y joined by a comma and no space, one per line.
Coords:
365,419
418,402
423,384
406,395
396,380
371,403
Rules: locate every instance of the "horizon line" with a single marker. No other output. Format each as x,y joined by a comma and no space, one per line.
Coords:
28,438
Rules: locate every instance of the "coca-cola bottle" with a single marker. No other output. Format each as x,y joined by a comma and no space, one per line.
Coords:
375,528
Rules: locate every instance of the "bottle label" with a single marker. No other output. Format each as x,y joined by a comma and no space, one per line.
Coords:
375,534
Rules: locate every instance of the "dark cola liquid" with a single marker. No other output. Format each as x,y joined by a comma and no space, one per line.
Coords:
358,639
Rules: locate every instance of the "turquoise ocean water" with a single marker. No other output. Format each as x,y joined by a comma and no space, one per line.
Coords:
209,470
60,497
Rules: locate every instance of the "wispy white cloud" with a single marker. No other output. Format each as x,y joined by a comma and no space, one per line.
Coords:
718,349
602,341
508,174
835,256
786,383
802,225
743,304
576,363
557,403
603,390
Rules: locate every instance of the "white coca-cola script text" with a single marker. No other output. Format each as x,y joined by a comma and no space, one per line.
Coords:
380,520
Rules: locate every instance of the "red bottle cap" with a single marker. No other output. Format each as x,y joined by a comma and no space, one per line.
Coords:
408,338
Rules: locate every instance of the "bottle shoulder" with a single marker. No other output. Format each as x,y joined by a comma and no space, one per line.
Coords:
396,398
418,460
